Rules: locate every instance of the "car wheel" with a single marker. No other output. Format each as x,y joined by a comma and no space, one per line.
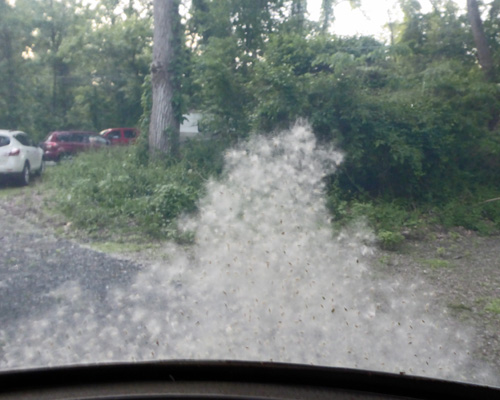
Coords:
25,175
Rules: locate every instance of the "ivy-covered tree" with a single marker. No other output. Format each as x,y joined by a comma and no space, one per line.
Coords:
166,110
483,50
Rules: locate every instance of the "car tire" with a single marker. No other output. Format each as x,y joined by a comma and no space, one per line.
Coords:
25,175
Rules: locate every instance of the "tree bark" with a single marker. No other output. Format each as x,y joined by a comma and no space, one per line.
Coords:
483,50
165,114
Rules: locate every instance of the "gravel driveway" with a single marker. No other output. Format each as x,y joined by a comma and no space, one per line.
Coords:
464,271
38,268
463,268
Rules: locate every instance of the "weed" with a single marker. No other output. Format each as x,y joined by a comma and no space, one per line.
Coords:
472,213
116,191
493,306
432,237
390,240
436,263
385,260
404,215
440,251
455,236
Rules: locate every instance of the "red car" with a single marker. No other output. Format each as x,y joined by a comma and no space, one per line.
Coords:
120,135
61,144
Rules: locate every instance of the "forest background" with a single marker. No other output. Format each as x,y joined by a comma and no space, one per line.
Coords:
417,117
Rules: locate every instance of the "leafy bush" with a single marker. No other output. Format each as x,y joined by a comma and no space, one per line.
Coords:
390,240
117,190
382,215
473,211
478,209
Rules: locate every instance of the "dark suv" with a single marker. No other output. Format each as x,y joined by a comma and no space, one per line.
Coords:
61,144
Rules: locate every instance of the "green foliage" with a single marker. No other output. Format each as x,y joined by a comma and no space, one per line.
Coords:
417,133
113,190
72,66
224,97
415,118
493,306
436,263
473,211
249,22
390,240
111,63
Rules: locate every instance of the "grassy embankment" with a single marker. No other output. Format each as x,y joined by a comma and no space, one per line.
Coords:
117,192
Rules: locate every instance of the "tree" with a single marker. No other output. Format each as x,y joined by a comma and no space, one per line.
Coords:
326,14
483,51
209,19
10,62
251,22
298,13
56,23
166,111
111,61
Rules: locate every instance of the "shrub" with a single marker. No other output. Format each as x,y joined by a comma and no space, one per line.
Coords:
390,240
118,189
471,214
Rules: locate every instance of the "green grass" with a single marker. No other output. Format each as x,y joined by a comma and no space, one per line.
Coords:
394,219
440,251
117,192
120,192
385,260
11,189
436,263
493,306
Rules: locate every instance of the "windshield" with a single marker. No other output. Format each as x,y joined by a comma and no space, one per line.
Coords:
314,182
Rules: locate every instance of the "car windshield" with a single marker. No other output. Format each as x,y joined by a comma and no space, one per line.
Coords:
314,182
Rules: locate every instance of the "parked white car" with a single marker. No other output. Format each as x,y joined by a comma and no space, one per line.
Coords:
19,156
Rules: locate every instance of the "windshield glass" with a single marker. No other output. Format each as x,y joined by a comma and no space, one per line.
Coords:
314,182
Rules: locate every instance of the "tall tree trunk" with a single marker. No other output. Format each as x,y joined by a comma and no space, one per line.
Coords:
327,15
483,50
165,114
299,9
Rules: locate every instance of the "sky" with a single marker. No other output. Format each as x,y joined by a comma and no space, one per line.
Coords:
369,19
